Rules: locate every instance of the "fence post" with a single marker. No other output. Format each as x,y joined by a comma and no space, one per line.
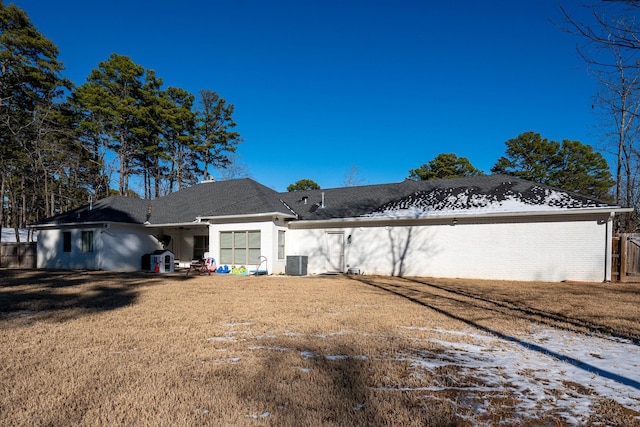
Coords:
623,256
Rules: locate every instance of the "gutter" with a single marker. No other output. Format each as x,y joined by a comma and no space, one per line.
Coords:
236,217
103,223
175,224
458,217
200,220
87,224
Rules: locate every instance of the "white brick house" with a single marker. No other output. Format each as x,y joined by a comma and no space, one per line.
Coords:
488,227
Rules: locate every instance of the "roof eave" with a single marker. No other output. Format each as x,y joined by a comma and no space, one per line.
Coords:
176,224
246,216
439,218
78,224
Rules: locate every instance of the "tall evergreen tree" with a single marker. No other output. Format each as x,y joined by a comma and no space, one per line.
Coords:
31,87
530,157
443,166
216,137
114,96
303,184
180,134
150,150
569,165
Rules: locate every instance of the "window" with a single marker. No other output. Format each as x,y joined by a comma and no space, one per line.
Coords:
200,246
280,244
87,241
66,241
239,247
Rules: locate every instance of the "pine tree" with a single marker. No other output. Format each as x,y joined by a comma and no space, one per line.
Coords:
180,135
113,100
31,119
569,165
444,166
216,137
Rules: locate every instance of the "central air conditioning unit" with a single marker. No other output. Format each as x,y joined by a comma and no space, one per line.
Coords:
296,265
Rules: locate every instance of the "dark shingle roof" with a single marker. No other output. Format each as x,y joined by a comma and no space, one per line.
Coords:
433,195
345,202
248,197
110,209
209,199
234,197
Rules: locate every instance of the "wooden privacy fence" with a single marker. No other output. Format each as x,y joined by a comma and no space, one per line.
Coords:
18,255
625,257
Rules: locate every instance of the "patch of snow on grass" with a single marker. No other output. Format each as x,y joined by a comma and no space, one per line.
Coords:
311,355
230,360
222,339
547,371
262,347
541,368
256,416
239,324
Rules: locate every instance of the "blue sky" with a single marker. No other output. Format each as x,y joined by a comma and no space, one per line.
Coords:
321,87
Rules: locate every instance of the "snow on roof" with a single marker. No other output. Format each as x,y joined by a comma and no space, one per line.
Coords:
472,200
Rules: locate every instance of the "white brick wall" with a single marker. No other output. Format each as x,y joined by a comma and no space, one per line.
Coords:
510,250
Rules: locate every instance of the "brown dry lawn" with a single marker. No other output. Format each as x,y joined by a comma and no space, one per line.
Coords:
95,348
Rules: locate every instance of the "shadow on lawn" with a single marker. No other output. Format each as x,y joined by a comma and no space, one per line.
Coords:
524,311
333,388
327,390
422,296
63,295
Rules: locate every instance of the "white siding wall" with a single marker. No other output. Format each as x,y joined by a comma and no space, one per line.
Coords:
117,248
122,247
546,251
51,254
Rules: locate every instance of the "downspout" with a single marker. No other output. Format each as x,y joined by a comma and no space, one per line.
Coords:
608,248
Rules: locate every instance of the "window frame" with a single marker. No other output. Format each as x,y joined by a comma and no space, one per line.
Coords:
281,244
86,240
66,241
240,247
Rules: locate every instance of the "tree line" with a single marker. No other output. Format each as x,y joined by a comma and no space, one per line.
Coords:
61,145
568,165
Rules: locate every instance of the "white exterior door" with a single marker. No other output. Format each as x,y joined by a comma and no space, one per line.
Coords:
335,252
